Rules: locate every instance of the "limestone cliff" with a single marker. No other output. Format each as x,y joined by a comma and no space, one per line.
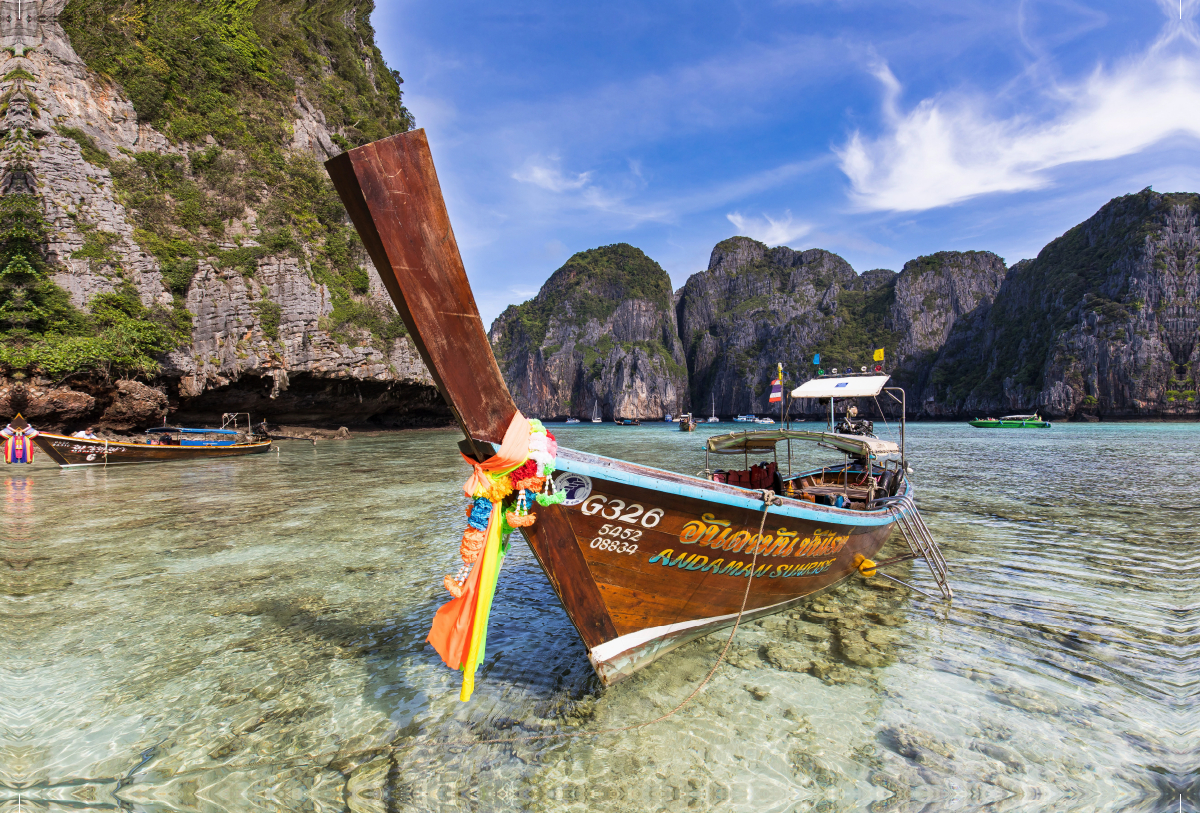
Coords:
756,307
932,295
601,331
1103,323
173,150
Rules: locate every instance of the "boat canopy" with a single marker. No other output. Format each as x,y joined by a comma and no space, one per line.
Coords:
851,386
765,440
1020,418
183,431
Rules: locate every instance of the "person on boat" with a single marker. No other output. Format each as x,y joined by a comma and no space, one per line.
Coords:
86,434
165,440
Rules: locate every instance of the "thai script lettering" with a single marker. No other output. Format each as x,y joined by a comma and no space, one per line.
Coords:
710,532
702,563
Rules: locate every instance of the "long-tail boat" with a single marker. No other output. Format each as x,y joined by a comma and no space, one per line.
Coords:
163,444
642,559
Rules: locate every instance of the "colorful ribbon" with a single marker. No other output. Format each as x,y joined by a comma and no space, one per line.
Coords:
459,630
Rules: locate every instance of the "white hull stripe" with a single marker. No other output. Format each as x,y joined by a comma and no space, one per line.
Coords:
610,649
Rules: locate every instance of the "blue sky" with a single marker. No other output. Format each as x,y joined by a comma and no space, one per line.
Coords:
880,131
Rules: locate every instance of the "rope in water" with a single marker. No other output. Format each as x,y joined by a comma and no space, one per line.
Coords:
769,498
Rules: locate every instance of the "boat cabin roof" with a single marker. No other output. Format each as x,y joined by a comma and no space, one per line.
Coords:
1019,418
847,386
765,440
183,431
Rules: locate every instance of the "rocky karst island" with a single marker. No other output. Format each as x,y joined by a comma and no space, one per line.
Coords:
1102,323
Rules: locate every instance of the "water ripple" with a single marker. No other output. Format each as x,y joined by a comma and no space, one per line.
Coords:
250,635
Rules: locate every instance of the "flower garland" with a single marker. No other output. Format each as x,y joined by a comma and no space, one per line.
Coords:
502,491
526,481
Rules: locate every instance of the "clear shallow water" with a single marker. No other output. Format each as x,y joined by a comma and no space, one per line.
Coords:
249,635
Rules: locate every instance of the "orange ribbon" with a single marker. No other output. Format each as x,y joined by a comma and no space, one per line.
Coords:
513,452
454,620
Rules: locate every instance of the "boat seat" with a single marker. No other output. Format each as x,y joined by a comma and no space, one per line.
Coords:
758,476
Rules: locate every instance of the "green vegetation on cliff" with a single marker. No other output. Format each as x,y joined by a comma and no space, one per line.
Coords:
230,69
864,318
226,81
42,332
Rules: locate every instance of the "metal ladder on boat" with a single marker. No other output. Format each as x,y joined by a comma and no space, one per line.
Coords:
918,536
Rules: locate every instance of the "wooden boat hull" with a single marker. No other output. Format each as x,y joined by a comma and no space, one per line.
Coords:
69,452
645,560
637,556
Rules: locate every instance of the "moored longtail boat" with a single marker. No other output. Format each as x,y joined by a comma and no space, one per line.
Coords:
642,559
163,444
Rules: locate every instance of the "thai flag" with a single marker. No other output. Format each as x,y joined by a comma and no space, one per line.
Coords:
776,391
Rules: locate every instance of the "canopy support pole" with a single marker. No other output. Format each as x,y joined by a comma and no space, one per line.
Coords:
903,419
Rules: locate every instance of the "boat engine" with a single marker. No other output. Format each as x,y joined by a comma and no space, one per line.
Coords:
850,425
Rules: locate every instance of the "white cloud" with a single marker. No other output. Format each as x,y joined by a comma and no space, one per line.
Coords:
949,149
769,230
546,174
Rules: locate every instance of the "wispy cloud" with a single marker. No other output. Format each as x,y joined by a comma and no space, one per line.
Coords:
547,174
769,230
950,148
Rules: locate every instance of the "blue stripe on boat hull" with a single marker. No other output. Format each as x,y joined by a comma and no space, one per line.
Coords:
670,485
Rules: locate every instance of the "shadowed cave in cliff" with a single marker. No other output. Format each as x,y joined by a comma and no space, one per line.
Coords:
311,400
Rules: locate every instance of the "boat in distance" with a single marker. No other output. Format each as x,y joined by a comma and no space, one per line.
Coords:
163,444
1033,421
641,558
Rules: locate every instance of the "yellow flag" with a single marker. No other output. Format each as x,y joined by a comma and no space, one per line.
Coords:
879,354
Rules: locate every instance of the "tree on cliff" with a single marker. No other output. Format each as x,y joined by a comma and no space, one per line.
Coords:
31,305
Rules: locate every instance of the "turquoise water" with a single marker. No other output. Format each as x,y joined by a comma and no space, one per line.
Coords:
249,635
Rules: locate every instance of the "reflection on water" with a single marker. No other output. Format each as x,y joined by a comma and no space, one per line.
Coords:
249,634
